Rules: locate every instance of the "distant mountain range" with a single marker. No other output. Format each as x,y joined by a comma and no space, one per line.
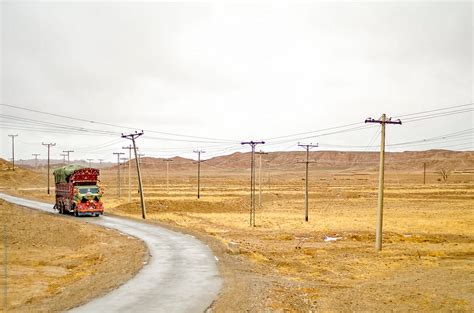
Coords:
453,160
285,161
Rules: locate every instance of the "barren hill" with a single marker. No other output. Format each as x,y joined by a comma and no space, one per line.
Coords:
287,161
20,177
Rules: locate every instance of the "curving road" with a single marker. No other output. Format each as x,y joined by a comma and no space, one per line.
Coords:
181,275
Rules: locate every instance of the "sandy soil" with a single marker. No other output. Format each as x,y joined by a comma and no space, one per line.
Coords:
56,263
285,264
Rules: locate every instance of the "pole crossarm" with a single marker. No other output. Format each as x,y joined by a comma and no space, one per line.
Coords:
382,121
252,178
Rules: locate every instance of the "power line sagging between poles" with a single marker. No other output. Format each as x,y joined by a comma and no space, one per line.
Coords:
132,137
252,178
49,145
306,199
199,171
13,150
382,121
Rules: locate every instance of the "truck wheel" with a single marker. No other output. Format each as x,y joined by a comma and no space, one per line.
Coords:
76,214
61,208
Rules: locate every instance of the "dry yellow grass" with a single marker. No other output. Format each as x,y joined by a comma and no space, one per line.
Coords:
427,262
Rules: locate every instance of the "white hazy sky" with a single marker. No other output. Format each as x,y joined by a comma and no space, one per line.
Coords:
232,71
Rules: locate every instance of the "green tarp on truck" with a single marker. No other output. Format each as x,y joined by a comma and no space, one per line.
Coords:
62,174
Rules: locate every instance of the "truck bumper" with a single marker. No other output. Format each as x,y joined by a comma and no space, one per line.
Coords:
89,213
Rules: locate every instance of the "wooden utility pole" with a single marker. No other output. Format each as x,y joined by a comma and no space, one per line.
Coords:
13,150
36,158
199,169
424,173
132,137
68,152
378,232
252,179
167,177
90,160
118,172
100,162
49,145
64,157
306,199
129,148
260,153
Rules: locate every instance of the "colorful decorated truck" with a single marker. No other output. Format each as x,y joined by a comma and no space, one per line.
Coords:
77,191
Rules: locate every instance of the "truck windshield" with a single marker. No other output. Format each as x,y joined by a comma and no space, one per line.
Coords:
84,190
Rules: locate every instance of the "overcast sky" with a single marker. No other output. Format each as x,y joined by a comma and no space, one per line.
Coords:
234,72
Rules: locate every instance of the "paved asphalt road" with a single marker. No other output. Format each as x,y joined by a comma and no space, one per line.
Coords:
181,275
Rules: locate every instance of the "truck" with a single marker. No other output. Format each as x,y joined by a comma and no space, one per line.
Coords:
77,191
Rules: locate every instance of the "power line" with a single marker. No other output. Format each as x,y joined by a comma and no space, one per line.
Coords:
108,124
435,110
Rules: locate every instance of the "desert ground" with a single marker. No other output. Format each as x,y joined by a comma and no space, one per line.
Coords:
328,263
55,262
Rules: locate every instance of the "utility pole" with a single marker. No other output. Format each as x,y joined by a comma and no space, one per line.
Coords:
167,177
129,171
306,198
64,157
124,160
90,160
252,179
68,152
382,121
100,162
260,177
424,173
13,150
49,145
118,172
132,137
36,158
199,169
